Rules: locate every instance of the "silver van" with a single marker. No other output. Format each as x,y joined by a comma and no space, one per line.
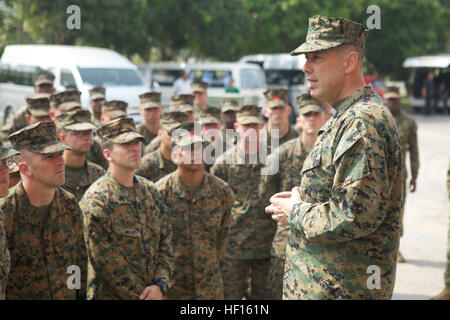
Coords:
83,67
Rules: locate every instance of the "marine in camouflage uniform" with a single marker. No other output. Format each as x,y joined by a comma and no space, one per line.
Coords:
277,104
43,83
126,227
407,132
38,107
78,179
96,99
351,192
158,164
251,231
289,157
150,106
43,241
200,91
5,259
200,216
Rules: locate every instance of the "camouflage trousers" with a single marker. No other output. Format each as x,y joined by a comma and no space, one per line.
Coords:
403,208
275,278
245,278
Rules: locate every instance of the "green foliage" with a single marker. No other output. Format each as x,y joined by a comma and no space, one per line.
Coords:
225,29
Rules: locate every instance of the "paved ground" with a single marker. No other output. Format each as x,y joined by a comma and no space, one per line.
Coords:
424,242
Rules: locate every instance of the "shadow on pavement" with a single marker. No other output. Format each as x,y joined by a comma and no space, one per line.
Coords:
401,296
425,263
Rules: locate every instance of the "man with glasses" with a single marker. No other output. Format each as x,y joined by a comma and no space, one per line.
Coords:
75,131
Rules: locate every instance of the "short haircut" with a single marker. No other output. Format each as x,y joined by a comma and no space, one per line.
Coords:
107,145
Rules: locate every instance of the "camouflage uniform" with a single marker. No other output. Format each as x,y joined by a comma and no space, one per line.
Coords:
114,109
291,134
152,146
212,116
198,86
154,166
148,100
351,192
128,237
200,233
252,230
5,259
97,92
79,120
447,269
60,97
42,251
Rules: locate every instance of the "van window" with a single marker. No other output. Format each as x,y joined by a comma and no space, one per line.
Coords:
214,78
20,74
251,79
67,77
284,77
110,77
166,77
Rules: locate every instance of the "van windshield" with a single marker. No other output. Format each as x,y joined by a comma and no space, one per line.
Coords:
109,77
284,77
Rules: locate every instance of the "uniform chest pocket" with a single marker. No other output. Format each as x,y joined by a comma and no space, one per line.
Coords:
312,161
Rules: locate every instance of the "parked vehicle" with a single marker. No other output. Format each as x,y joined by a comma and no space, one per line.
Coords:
82,67
248,79
420,66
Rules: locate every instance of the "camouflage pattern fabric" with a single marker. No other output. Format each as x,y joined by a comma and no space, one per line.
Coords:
200,235
290,157
150,100
236,275
154,166
291,134
121,130
38,269
351,199
5,259
143,131
153,145
329,32
128,240
91,173
16,123
407,132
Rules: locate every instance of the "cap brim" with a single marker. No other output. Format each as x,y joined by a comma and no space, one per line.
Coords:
41,82
127,137
38,113
6,153
391,95
50,147
190,140
310,108
275,104
209,120
317,45
249,120
82,126
225,109
170,127
115,114
96,96
149,105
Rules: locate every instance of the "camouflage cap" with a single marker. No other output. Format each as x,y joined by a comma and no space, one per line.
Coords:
190,138
45,77
38,105
199,86
209,116
172,119
150,100
277,97
114,108
391,93
6,152
249,114
97,92
76,120
329,32
182,103
13,168
69,106
229,105
306,103
122,130
38,137
60,97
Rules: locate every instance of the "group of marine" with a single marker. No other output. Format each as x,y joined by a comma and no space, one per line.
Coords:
91,192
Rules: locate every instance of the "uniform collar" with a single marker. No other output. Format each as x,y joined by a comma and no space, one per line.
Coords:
120,192
181,190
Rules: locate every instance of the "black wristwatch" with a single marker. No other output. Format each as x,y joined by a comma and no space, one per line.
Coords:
162,285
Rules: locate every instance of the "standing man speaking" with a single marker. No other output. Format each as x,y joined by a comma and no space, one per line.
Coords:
345,216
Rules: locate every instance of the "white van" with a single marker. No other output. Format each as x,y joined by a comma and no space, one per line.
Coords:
420,66
248,79
282,71
84,67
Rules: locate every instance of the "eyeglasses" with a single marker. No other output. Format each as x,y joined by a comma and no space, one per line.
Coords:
9,162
